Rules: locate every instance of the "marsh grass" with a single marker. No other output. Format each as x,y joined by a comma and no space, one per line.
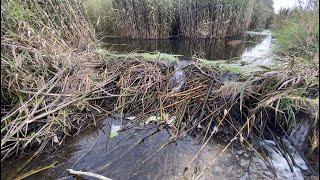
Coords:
262,15
297,32
101,15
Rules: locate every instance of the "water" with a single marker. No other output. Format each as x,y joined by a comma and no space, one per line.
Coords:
247,53
261,54
211,49
125,156
280,164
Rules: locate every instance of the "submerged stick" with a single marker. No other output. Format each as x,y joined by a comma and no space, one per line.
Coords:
90,174
225,148
32,172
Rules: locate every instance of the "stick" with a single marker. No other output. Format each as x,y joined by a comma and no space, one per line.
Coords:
90,174
204,103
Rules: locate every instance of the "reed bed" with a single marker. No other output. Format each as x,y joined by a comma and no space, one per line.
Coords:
146,19
262,15
214,18
44,50
156,19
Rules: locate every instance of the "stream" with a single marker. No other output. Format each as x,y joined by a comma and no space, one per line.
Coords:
141,151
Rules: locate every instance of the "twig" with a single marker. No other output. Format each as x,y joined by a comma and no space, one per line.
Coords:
214,160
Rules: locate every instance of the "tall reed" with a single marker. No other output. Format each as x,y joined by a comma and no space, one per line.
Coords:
159,19
214,18
147,19
44,48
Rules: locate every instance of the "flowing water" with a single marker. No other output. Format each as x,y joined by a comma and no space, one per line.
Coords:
144,152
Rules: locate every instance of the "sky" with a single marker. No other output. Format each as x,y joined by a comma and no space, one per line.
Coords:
278,4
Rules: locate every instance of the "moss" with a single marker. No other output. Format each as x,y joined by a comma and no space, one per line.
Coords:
144,56
157,56
227,67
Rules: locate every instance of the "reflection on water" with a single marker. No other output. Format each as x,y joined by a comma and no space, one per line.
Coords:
211,49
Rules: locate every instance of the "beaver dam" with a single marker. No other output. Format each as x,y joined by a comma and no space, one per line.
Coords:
171,90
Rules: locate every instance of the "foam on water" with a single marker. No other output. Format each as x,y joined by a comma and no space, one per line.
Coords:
280,164
261,54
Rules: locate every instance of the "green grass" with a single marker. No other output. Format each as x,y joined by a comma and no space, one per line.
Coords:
101,16
226,66
298,33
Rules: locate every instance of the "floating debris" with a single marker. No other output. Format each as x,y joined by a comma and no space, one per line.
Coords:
114,131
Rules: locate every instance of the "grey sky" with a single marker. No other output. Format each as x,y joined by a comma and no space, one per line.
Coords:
278,4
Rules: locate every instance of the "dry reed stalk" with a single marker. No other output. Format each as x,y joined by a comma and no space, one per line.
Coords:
161,19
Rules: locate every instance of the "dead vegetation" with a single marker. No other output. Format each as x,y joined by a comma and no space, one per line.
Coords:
53,83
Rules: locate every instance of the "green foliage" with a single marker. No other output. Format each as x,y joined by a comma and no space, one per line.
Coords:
101,15
297,32
262,14
144,56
